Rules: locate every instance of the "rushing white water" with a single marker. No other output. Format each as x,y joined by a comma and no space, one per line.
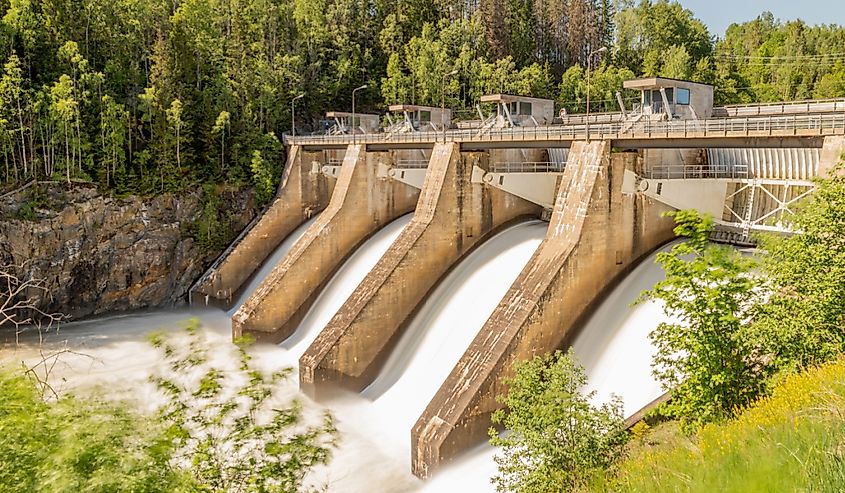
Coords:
341,286
445,326
613,347
268,265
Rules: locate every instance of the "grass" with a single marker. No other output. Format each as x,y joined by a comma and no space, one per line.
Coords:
791,441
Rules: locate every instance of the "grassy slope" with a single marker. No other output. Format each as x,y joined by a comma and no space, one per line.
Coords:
792,441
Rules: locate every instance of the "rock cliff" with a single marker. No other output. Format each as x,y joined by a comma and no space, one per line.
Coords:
98,254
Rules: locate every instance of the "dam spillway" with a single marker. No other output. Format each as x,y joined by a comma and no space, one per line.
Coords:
606,215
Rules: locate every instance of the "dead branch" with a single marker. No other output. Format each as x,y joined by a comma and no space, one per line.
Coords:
18,308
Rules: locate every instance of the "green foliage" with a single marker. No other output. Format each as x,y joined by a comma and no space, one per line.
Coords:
555,438
262,177
789,441
604,82
652,36
768,60
228,429
37,200
213,230
145,96
217,431
705,359
75,444
802,322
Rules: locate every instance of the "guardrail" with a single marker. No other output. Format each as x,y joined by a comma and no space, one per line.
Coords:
770,126
785,107
672,172
527,167
412,163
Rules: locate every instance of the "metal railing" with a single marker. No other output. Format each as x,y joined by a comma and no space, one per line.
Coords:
412,163
769,126
781,108
527,167
685,172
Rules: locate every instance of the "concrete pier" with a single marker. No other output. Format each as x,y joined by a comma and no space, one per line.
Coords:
455,213
596,233
364,200
302,193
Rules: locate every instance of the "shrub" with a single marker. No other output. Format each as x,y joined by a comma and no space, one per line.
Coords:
73,444
705,359
555,439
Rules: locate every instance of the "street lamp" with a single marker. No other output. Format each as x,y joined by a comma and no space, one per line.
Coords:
589,69
293,114
443,102
353,110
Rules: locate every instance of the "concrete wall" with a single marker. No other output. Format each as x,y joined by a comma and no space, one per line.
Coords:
673,157
363,202
831,154
301,194
595,235
453,216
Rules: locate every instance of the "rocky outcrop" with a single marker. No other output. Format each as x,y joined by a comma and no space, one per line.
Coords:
99,254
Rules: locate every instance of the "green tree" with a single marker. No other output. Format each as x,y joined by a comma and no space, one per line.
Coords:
705,358
262,177
113,123
174,118
220,124
63,107
555,438
802,320
647,31
232,433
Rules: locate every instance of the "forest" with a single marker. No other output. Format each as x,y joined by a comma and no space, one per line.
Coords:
149,96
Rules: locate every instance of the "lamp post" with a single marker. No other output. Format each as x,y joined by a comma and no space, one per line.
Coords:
589,69
293,114
353,110
443,102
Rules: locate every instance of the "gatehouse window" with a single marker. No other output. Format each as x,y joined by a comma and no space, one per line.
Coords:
525,108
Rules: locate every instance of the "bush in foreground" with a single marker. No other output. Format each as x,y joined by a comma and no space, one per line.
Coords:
219,430
79,445
555,438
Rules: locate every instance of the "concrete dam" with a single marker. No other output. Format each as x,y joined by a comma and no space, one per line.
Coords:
415,265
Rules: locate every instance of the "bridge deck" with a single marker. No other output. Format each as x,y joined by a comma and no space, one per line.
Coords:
696,133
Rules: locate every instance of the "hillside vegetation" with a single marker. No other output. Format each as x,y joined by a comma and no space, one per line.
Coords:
144,96
791,440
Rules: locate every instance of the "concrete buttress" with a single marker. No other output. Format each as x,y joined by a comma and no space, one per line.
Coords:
363,202
302,193
454,214
595,235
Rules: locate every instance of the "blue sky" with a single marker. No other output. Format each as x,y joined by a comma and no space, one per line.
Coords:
719,14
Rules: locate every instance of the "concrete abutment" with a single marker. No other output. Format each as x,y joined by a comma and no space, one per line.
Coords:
595,234
455,213
363,201
302,193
